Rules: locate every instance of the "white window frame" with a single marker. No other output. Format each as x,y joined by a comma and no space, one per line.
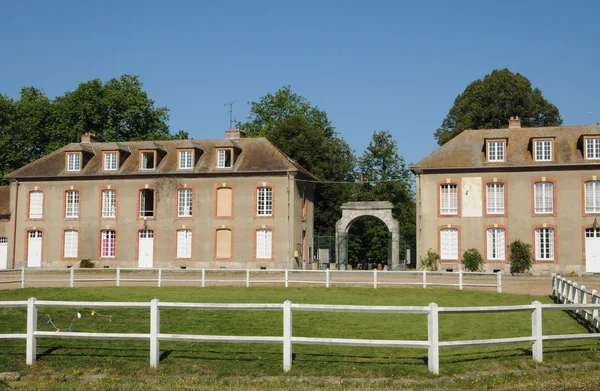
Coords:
543,197
543,150
495,202
73,162
184,243
449,244
144,160
544,244
448,199
71,244
109,237
222,158
495,150
36,204
592,148
144,213
109,204
264,201
185,202
264,243
186,160
72,204
111,161
592,196
496,244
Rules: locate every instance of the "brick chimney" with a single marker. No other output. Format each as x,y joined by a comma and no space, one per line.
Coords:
234,134
514,123
88,137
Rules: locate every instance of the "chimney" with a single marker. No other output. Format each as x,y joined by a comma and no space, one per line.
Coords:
514,123
234,134
88,137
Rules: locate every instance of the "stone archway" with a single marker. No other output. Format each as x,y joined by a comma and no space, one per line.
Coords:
354,210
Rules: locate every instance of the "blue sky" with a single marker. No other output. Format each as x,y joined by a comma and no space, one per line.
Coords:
371,65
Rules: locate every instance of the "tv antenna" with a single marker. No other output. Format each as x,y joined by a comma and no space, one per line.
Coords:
230,104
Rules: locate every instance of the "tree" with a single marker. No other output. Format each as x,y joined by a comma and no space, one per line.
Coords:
488,103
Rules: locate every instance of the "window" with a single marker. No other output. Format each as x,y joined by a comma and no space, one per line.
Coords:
449,244
71,249
109,204
495,150
72,204
592,148
184,243
109,244
147,203
110,161
186,160
224,207
264,244
148,161
264,201
184,203
543,150
224,158
592,196
495,198
543,197
449,199
73,161
223,243
544,244
496,244
36,204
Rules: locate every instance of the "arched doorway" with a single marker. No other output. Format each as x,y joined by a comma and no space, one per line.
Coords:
352,211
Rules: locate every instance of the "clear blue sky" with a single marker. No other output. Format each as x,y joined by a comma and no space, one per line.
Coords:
371,65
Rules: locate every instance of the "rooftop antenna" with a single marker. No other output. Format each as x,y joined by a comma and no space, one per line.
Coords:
230,104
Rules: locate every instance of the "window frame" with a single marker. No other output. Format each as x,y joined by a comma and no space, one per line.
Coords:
66,192
584,183
101,243
231,158
504,184
102,217
554,204
535,244
64,244
178,199
488,150
117,157
256,201
486,243
68,155
35,190
180,160
458,244
176,255
144,151
139,204
216,201
535,149
448,182
225,228
271,247
595,138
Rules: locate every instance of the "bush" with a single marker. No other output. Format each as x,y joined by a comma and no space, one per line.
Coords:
431,262
86,264
472,260
520,257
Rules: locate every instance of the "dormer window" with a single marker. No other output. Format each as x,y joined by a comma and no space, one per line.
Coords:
224,158
495,150
148,160
74,161
542,150
186,159
592,148
111,161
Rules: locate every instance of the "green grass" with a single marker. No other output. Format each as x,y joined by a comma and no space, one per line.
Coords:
131,358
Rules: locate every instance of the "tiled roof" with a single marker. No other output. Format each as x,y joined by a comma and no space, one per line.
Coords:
467,150
255,155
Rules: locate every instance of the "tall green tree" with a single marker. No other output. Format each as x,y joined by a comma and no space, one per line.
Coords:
488,103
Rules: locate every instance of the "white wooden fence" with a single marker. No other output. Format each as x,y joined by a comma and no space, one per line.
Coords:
569,292
432,344
160,276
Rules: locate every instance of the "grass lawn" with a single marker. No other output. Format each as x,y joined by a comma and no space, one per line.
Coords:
75,358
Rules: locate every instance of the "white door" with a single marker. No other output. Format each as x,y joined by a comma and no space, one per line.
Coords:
34,249
146,248
3,252
592,250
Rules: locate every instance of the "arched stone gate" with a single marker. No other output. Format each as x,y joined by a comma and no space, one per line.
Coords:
355,210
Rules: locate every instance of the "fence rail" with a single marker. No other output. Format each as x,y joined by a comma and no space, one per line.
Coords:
30,277
432,344
569,292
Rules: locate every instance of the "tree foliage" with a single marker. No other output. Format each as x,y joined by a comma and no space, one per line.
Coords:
520,257
488,103
117,110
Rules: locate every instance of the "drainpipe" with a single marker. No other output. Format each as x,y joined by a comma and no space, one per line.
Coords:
15,225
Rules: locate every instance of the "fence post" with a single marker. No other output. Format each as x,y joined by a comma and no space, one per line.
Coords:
72,278
584,301
576,296
595,310
565,291
287,278
460,279
327,278
287,336
118,276
499,282
154,330
536,331
22,277
375,278
203,277
424,278
433,356
553,284
159,277
247,278
31,329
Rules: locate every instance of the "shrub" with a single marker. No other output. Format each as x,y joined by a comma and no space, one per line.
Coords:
86,264
431,262
519,256
472,260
